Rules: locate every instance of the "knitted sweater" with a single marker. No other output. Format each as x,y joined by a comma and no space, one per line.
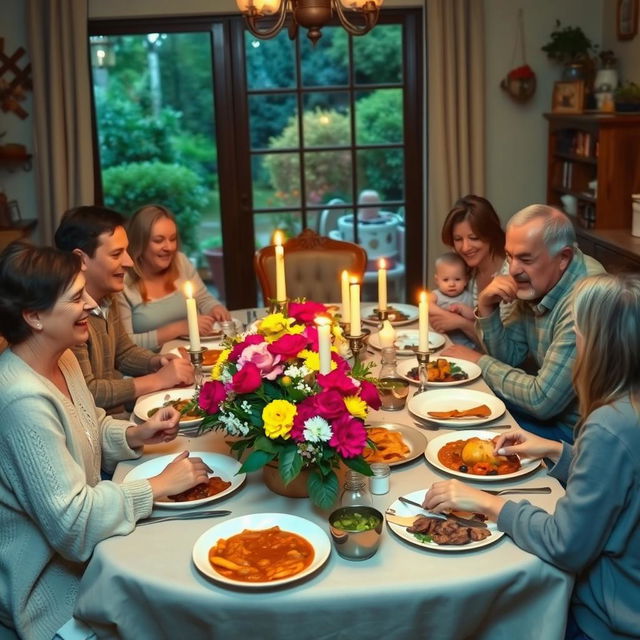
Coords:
109,355
53,507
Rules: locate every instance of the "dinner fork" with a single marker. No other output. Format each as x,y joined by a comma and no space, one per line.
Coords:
196,515
501,492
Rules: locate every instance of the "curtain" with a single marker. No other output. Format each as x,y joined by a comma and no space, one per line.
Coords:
455,88
63,147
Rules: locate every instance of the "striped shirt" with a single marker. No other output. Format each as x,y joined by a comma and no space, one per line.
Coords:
544,332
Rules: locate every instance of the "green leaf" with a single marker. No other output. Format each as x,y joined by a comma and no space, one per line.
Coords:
267,444
360,465
290,463
323,489
256,460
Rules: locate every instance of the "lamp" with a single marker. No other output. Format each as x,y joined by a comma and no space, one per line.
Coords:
102,52
310,14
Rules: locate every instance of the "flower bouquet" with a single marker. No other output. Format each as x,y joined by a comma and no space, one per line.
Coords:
266,390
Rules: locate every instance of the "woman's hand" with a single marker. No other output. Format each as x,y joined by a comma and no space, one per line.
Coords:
161,427
453,495
180,474
527,445
220,313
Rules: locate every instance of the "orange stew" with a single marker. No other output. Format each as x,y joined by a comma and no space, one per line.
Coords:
203,490
451,457
261,555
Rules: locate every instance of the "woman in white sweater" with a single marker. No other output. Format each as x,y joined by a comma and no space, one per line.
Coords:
54,508
152,305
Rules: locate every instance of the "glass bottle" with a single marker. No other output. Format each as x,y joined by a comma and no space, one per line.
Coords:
355,492
392,387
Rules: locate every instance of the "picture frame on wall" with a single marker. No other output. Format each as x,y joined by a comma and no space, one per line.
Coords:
568,97
627,19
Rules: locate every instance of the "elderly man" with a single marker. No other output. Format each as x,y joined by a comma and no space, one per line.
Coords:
98,236
544,267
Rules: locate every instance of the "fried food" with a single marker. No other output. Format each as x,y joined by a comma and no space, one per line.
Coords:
447,531
262,555
203,490
187,408
390,445
481,411
475,456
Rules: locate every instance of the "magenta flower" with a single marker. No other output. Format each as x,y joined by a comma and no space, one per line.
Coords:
305,312
311,334
369,393
247,379
349,436
211,395
338,381
330,404
267,362
306,409
288,346
254,338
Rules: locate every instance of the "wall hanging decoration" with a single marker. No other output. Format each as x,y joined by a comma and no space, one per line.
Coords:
15,81
627,19
520,82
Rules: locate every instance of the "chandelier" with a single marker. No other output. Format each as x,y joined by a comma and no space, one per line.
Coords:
310,14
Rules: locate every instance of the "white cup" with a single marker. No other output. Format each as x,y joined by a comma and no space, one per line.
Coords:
570,204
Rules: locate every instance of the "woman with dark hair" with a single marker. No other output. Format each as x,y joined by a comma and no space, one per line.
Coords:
472,229
152,304
54,508
594,532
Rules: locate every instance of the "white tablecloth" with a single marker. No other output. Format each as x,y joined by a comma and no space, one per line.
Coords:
145,585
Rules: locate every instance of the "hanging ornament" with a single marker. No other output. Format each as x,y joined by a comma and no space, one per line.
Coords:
520,82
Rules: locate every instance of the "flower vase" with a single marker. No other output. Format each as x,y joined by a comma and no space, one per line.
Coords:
297,488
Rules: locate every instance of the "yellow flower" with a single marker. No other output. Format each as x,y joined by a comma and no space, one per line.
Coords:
276,325
312,360
217,367
356,406
278,418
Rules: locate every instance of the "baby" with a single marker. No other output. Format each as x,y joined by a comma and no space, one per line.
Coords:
451,280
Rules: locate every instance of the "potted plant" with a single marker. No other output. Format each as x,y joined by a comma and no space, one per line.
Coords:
212,251
627,97
572,48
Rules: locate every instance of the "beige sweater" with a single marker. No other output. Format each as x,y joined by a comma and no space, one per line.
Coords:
53,507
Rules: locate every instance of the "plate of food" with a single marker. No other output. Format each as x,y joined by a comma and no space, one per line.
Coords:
224,479
406,342
470,455
454,408
181,399
414,526
397,314
275,548
396,443
209,356
443,372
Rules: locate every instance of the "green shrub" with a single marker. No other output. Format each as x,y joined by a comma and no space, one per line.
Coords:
129,186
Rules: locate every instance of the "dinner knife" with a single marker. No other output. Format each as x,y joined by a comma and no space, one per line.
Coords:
195,515
467,522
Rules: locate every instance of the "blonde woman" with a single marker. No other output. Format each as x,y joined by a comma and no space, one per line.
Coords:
152,304
595,530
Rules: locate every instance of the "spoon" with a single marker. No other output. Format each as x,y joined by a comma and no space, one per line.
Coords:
500,492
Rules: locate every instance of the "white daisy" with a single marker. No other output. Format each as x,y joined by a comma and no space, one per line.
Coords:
317,429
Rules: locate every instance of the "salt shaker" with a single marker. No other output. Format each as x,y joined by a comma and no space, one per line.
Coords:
379,481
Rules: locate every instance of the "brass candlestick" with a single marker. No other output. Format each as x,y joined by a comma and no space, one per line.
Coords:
356,343
195,355
279,306
423,373
382,316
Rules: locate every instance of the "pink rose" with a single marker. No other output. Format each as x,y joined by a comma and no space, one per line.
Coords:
369,393
330,404
211,395
288,346
305,312
349,436
246,379
338,381
267,362
254,338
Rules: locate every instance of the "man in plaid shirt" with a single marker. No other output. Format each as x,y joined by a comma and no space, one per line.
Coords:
544,267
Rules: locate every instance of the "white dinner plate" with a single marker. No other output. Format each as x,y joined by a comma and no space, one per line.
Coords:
414,439
145,403
402,509
431,454
470,368
318,539
406,341
224,467
370,316
449,399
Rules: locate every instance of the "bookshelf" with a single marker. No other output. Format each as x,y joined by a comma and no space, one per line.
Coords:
595,160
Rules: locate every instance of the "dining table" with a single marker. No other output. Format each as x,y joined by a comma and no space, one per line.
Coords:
145,584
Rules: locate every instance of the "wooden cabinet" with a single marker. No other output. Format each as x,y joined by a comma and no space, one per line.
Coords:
594,159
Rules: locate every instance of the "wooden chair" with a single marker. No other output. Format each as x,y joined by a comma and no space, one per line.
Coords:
313,266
